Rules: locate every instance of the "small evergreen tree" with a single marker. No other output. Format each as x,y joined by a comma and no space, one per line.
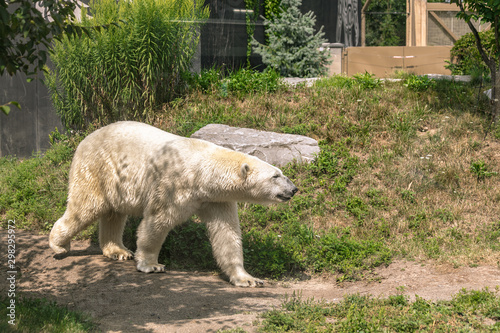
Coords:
294,47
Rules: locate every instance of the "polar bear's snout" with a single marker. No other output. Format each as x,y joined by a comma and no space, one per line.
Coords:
288,190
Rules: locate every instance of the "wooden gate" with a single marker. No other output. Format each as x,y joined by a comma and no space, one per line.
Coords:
435,23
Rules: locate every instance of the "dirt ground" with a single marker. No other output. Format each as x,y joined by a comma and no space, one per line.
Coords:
121,299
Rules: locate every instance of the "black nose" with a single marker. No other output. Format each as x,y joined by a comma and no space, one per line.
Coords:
295,190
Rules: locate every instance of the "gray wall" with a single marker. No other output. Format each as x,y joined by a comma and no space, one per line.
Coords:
26,130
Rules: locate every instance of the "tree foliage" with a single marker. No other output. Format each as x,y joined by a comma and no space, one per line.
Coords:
27,28
465,56
385,23
294,45
486,11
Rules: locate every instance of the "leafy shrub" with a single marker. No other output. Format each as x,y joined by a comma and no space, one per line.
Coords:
356,207
245,81
481,170
334,166
188,246
336,81
419,83
366,80
294,47
207,81
465,57
242,81
122,71
266,255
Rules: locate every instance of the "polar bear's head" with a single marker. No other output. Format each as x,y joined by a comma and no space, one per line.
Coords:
236,176
264,183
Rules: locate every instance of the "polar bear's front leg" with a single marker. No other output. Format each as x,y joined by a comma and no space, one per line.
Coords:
224,232
150,237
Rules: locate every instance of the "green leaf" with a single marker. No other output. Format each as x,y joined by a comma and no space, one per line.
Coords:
16,104
5,109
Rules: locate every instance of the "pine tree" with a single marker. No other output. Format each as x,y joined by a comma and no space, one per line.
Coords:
294,47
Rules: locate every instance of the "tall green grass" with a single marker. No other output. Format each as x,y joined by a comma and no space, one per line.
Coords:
131,62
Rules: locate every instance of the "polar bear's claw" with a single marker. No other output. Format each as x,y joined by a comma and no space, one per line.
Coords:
157,268
248,282
118,253
123,256
60,249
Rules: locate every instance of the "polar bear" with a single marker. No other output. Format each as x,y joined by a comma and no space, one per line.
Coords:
130,168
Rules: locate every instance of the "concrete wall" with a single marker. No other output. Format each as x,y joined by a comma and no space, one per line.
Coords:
26,131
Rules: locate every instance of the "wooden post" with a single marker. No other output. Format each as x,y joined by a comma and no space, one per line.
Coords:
416,23
363,22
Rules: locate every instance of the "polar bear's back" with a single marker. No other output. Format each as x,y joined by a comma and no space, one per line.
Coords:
131,133
114,161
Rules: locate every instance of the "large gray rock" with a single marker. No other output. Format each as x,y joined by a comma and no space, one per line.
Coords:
274,148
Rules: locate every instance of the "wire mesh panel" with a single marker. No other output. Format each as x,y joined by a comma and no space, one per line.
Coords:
224,38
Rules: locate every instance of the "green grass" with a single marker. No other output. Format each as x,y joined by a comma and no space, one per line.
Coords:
35,189
468,311
403,173
42,316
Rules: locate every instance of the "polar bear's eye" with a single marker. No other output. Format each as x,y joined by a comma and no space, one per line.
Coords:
276,176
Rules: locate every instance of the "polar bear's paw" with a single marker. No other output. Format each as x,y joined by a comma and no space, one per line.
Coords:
117,253
60,249
246,280
154,268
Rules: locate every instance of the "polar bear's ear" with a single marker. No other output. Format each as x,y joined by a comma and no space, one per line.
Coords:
245,168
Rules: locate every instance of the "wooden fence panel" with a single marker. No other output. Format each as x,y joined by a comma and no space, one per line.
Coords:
385,60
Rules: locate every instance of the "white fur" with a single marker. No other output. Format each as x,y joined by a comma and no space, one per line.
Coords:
130,168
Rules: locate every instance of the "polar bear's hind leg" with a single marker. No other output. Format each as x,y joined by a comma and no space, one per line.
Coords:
111,226
68,226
